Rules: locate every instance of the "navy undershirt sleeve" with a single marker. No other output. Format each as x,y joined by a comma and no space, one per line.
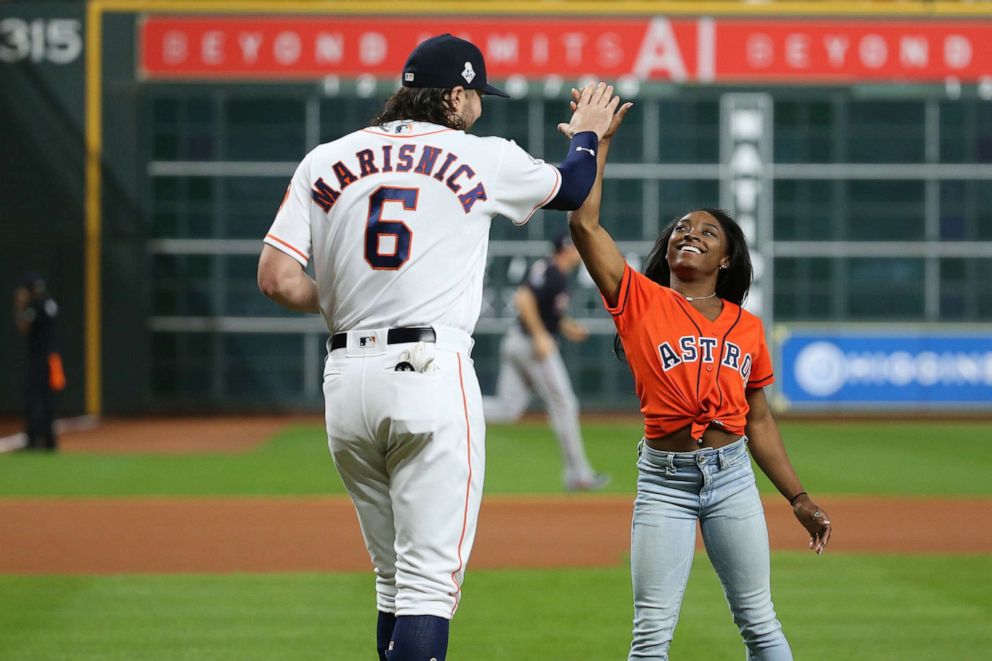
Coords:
578,172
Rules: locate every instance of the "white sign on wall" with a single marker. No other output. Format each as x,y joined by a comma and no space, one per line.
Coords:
746,184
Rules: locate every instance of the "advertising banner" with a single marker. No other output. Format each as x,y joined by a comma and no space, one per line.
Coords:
702,50
887,369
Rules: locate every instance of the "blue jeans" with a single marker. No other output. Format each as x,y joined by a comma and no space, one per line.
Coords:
715,487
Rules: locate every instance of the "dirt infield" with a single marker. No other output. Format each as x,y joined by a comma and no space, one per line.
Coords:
101,536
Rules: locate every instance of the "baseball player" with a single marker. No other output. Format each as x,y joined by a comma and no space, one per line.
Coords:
530,361
395,218
700,366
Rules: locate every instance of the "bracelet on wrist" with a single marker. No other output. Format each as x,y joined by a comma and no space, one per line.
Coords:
792,501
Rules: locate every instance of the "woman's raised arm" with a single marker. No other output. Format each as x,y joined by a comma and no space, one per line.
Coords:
599,252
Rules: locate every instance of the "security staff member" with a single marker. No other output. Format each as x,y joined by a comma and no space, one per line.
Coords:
34,314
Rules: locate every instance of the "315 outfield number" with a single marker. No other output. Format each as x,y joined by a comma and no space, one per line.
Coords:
57,40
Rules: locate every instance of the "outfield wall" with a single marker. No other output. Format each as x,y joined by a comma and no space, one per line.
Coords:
42,195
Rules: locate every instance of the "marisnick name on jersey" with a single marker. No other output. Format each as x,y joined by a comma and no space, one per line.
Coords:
701,348
418,159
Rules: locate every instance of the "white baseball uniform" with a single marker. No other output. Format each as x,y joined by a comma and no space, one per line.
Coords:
396,219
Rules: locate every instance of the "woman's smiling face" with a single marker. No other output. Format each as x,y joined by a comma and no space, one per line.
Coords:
698,243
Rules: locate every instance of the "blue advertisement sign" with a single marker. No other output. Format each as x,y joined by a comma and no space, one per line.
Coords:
889,369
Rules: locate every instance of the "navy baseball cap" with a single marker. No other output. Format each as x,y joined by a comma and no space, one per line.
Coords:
446,62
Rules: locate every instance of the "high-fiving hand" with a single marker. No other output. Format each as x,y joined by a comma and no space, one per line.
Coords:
615,121
593,109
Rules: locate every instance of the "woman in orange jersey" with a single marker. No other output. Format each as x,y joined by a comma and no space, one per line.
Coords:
700,365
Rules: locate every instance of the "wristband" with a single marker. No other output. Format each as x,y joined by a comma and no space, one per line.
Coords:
578,173
792,501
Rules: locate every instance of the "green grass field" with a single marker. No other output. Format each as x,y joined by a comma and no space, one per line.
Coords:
838,606
919,458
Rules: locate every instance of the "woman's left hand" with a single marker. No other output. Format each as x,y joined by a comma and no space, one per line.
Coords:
614,123
815,520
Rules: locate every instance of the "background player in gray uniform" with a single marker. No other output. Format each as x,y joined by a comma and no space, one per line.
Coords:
530,361
396,218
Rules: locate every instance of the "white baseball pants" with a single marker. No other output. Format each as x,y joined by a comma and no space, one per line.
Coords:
410,449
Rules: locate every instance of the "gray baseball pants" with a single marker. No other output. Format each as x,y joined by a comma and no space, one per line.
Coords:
519,376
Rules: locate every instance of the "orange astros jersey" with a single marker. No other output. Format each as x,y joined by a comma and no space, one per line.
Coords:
687,369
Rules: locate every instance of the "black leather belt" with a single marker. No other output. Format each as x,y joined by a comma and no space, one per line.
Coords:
393,336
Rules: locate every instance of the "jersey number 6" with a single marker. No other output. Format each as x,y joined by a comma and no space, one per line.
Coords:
388,255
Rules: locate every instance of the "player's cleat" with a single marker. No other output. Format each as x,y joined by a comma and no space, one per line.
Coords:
594,483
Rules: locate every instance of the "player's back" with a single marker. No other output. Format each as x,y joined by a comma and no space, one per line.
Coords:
401,225
405,242
397,219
